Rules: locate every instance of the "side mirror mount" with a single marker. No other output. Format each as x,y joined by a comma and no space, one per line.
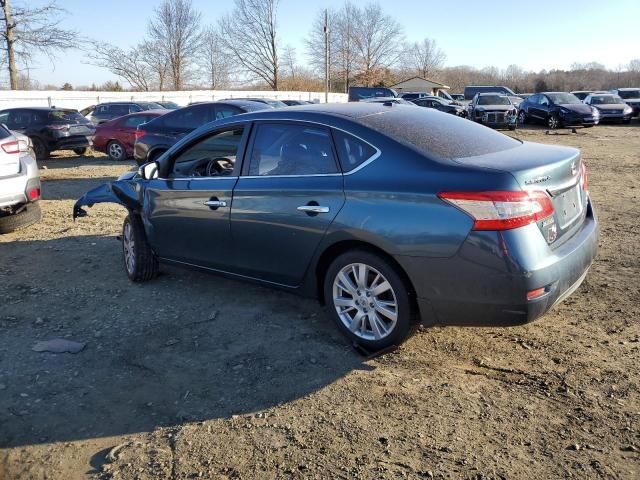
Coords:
149,170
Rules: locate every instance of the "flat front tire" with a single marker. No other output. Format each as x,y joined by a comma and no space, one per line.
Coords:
140,263
369,299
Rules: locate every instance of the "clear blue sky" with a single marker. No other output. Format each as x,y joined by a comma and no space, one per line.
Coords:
533,34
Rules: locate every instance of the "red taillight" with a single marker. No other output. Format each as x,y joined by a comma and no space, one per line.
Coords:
11,147
583,179
139,134
33,194
501,210
537,293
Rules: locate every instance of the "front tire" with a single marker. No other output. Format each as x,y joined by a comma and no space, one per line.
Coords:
553,121
369,299
80,151
140,263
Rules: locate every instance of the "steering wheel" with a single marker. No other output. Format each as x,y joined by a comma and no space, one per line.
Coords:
218,167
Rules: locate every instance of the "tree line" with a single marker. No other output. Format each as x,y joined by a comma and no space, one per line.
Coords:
366,46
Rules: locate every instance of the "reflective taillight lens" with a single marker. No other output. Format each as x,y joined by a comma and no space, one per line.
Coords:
11,147
139,134
33,194
501,210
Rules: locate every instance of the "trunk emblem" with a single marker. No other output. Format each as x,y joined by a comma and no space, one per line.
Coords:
574,168
540,179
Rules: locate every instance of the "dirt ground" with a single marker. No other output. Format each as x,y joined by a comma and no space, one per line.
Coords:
196,376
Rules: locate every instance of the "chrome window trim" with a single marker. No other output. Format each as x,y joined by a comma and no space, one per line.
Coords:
370,160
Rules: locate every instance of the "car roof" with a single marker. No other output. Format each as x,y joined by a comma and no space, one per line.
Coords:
45,109
147,112
493,94
625,89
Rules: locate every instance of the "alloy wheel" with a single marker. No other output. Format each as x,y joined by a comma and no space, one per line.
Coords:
365,301
128,245
522,118
553,122
115,151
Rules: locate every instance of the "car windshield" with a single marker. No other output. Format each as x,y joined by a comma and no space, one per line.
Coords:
66,116
606,100
564,98
493,100
629,93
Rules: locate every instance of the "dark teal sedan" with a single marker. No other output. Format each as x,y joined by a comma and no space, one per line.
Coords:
388,214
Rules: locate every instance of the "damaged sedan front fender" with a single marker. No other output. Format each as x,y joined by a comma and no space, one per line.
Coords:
125,191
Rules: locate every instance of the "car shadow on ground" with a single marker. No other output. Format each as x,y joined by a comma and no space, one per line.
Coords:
185,347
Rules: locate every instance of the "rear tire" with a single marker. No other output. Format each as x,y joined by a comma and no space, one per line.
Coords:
140,263
40,149
30,215
80,151
116,151
369,299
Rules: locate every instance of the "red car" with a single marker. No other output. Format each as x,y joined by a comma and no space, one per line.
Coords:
116,138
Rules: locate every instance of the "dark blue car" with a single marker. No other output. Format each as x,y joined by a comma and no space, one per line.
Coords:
556,110
373,209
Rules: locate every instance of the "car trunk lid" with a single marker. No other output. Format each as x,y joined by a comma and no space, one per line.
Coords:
558,171
9,157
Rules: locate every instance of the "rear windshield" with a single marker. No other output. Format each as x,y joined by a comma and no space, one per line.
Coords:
360,93
439,136
493,100
255,106
150,105
66,116
629,93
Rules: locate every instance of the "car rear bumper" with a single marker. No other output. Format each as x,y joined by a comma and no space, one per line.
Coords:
13,189
69,143
487,281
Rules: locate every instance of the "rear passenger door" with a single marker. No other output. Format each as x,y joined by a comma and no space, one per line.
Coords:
290,191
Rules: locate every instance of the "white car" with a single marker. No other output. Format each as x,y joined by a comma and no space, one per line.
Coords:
19,182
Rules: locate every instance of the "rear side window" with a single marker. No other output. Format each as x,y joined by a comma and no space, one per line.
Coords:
224,111
134,120
352,151
119,110
281,149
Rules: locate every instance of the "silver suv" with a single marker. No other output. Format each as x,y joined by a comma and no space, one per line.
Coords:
19,182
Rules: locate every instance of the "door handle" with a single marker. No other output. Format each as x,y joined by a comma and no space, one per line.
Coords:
213,204
313,209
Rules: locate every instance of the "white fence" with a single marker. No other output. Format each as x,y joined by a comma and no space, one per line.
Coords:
80,100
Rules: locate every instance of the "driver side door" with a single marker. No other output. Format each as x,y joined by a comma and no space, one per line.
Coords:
188,213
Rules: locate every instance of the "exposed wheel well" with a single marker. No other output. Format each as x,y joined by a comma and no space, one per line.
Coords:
155,153
339,248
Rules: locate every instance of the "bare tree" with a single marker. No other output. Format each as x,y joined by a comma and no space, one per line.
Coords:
175,30
289,62
214,61
249,34
377,38
154,57
29,30
424,57
129,65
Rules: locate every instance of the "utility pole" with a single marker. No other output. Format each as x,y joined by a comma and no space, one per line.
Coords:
326,56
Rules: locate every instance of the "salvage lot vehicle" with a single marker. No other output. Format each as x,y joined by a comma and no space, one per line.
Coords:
19,182
472,90
442,105
389,101
279,197
155,137
631,96
50,128
611,107
267,101
557,109
104,112
493,110
117,137
357,94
